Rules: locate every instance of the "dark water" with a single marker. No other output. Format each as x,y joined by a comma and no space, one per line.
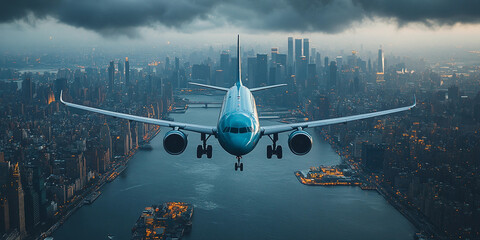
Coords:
265,201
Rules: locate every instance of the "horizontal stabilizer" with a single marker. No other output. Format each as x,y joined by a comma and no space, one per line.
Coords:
267,87
209,86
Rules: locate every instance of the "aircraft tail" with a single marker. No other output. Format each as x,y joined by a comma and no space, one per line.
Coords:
239,63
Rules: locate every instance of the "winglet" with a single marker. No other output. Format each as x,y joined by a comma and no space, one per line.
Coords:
414,101
239,63
61,97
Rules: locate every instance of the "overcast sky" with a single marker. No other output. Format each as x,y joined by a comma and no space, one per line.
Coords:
406,25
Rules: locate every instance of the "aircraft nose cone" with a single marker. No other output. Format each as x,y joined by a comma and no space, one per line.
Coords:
240,144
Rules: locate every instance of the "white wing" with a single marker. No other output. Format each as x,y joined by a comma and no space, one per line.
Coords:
163,123
293,126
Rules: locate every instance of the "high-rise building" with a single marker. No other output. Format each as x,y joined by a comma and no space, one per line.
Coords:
325,62
313,59
318,61
261,68
16,201
224,61
225,67
27,89
290,55
380,62
201,73
306,49
301,73
121,72
251,64
298,48
274,53
282,59
298,54
111,75
127,72
380,66
106,140
339,60
332,80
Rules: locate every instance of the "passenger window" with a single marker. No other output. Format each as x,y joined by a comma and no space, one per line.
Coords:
243,130
234,130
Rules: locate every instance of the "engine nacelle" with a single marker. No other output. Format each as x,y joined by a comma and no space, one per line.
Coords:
300,142
175,142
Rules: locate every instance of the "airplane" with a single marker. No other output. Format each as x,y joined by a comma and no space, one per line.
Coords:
238,129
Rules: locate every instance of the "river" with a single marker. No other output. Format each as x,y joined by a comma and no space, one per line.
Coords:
265,201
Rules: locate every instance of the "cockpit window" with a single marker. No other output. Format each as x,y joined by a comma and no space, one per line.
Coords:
238,130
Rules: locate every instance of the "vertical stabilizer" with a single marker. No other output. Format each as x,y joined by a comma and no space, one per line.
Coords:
239,63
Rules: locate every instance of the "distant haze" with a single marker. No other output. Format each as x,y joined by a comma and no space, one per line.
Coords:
401,26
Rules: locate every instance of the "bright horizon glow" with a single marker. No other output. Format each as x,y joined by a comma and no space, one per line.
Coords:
50,34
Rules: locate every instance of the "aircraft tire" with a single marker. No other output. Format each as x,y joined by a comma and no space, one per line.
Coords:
236,166
269,151
209,151
241,166
199,151
279,152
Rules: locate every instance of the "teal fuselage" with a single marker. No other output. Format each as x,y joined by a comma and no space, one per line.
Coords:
238,125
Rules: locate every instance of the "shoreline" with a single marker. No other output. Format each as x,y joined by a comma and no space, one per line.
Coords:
413,216
79,201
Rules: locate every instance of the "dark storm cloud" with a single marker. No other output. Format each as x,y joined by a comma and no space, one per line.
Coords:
124,16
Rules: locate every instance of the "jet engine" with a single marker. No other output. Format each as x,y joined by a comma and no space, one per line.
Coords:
175,142
300,142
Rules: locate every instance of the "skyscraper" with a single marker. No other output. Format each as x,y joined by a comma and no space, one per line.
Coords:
225,67
127,72
290,55
251,63
16,201
314,54
380,62
121,73
332,80
111,75
274,53
261,68
339,60
298,53
301,73
380,66
27,89
306,49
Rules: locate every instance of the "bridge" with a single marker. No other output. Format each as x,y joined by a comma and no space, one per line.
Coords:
205,104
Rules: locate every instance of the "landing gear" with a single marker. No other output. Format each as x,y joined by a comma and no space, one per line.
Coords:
238,164
204,149
274,149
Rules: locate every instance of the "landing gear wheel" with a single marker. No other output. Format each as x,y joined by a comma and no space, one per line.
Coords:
209,151
279,152
241,166
236,166
199,151
269,151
